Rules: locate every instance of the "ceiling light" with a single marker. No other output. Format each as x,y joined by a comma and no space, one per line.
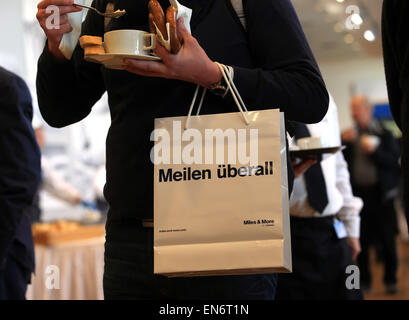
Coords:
356,19
369,35
333,8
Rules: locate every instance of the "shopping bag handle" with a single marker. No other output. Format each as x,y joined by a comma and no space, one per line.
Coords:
234,92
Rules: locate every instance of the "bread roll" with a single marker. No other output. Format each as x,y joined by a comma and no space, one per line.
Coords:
175,43
158,17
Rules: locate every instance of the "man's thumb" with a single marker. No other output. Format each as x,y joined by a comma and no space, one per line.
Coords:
183,33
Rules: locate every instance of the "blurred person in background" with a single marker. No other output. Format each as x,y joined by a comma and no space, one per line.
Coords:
51,181
19,179
395,33
325,223
373,156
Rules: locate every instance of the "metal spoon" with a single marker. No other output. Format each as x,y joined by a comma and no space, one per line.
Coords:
117,14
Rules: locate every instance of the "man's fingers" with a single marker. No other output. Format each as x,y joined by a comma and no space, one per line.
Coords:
141,72
313,162
355,247
66,9
307,163
355,254
162,53
42,14
45,3
304,165
64,19
65,28
301,168
183,33
146,67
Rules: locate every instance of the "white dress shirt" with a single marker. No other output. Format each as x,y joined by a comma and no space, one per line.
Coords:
53,183
341,201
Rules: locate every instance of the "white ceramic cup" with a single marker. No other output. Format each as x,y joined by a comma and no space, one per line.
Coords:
310,143
373,140
129,42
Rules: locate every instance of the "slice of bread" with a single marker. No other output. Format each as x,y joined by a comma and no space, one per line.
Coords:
86,41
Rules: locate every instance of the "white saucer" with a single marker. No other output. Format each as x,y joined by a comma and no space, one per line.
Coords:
115,60
304,153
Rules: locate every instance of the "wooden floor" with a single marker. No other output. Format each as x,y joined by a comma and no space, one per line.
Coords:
378,289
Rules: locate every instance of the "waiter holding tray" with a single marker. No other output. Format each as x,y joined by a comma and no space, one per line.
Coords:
273,67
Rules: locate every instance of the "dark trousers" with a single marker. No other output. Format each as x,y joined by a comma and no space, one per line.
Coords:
129,275
379,228
14,280
320,261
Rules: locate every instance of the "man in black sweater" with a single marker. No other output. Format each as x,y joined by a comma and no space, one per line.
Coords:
395,31
372,154
19,179
273,68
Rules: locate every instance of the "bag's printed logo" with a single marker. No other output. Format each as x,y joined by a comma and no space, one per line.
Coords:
223,172
240,145
264,222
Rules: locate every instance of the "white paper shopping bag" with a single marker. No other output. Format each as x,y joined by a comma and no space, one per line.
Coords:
215,214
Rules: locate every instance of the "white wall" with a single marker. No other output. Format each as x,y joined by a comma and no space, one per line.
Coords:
11,34
344,78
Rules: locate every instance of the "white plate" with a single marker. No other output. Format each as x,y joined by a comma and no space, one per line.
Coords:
115,60
305,153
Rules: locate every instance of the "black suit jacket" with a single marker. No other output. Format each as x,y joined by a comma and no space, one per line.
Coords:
385,158
395,30
20,170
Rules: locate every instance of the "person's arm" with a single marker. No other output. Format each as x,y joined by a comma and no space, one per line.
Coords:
352,206
54,184
67,90
19,158
285,74
388,152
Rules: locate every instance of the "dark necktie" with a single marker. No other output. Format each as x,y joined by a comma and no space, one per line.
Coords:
314,177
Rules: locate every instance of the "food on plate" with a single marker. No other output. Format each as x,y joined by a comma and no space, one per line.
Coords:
53,233
90,41
92,45
55,226
312,143
94,50
157,17
164,26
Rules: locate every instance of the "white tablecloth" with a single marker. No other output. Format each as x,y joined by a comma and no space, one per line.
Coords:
80,266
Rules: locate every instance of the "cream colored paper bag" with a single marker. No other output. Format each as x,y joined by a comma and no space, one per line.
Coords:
207,224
